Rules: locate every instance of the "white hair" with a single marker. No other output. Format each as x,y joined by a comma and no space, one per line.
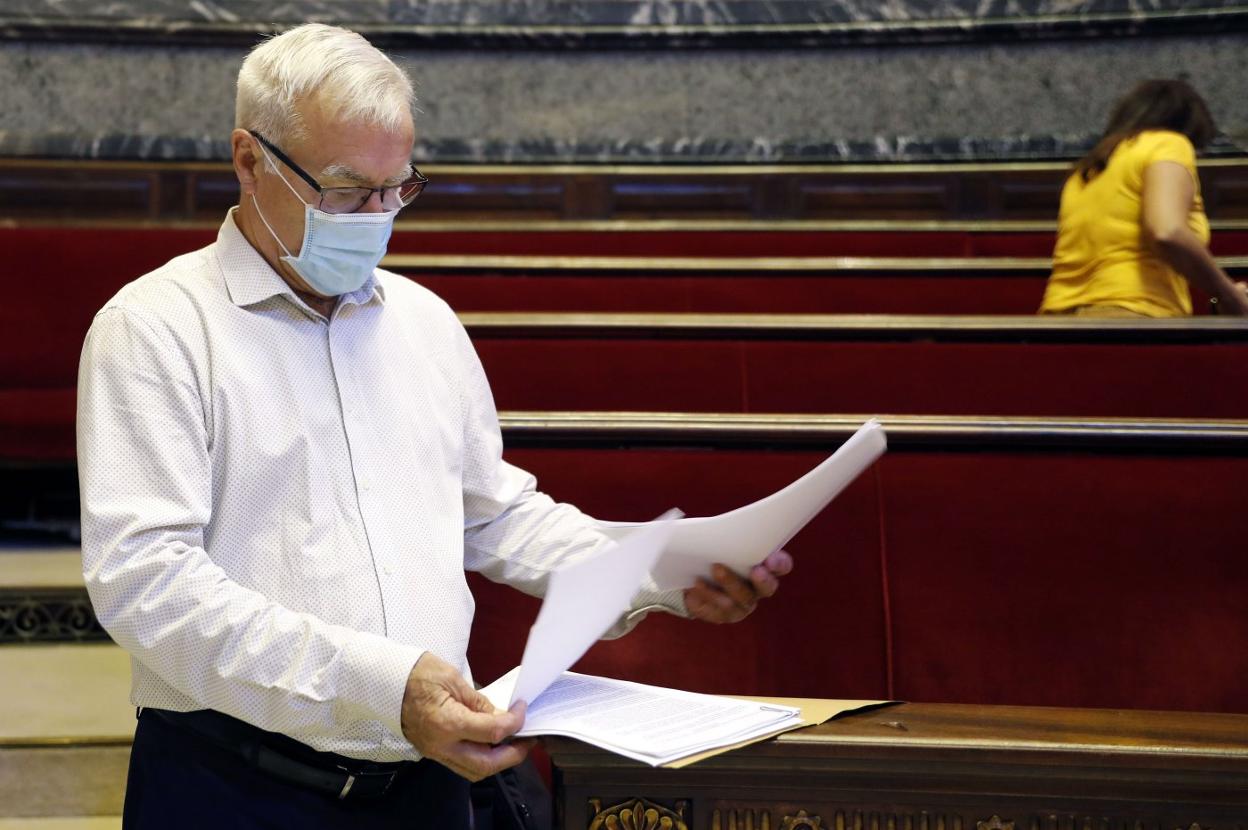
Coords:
355,80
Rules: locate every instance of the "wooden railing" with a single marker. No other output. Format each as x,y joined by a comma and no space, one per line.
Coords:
204,190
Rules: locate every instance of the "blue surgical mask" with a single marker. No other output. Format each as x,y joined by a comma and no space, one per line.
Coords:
340,250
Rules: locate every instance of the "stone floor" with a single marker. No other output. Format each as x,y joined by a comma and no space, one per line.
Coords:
66,726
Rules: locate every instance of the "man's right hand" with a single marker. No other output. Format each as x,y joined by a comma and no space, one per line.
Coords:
457,726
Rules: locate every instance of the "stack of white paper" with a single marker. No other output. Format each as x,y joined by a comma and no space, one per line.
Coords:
742,538
583,600
646,723
649,723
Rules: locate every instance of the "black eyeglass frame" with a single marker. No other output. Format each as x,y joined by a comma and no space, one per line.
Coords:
417,178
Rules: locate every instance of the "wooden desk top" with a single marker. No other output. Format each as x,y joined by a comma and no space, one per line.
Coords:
1035,729
986,735
937,766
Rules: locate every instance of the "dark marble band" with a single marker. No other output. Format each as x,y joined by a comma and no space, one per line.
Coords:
618,23
548,151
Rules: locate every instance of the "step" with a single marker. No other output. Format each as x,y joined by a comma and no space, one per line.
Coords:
65,733
30,566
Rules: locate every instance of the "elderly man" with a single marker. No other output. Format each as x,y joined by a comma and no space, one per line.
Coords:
288,459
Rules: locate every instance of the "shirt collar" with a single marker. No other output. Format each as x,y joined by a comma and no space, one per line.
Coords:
249,279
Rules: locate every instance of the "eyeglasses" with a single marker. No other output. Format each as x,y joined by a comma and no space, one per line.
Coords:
351,199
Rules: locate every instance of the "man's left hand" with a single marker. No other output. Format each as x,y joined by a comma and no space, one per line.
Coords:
727,598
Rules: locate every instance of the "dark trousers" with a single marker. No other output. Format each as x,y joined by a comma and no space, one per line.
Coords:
177,779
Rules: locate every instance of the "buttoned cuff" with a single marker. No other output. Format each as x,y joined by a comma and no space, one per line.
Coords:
374,677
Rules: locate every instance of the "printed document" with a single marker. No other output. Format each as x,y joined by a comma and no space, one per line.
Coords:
646,723
744,537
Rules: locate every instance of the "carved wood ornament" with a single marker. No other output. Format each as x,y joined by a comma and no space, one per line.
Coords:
802,821
743,819
637,814
994,823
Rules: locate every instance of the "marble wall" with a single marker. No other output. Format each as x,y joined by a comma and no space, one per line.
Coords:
590,13
1016,97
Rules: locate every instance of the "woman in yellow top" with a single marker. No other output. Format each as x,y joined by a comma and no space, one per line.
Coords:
1132,229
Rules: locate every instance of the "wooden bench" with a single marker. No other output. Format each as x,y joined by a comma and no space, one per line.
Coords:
1021,561
996,561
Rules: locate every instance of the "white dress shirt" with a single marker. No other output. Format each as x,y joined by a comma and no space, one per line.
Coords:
278,508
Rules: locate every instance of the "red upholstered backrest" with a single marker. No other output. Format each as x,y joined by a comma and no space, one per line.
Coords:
775,292
1062,579
59,278
735,242
832,609
792,375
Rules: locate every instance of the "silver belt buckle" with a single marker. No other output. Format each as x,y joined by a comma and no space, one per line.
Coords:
346,788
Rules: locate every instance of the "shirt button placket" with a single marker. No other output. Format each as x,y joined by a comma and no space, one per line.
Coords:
353,431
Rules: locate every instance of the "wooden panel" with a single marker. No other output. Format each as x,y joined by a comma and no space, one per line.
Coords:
929,767
670,196
165,190
854,197
34,192
1225,192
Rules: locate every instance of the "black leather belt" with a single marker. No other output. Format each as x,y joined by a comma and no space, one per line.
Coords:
285,758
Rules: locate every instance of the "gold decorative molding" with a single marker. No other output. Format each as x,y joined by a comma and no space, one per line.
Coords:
962,325
994,823
915,429
637,814
802,821
742,819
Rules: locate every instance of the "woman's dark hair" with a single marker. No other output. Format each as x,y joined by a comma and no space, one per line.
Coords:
1152,105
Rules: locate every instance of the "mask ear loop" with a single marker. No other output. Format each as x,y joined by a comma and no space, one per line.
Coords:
278,239
269,163
272,165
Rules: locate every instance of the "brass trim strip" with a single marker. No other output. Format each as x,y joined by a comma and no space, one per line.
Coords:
526,262
680,320
752,225
875,327
65,741
731,429
804,737
915,425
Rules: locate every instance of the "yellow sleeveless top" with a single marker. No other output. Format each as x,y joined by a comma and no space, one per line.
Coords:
1101,256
